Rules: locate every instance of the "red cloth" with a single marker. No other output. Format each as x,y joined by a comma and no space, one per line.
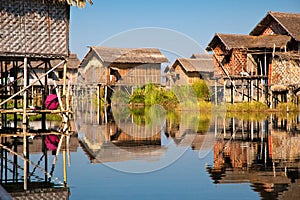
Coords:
51,142
51,102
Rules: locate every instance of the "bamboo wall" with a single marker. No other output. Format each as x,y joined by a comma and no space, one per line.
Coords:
34,27
285,72
140,75
234,62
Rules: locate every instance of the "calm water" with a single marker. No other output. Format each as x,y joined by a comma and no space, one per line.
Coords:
189,156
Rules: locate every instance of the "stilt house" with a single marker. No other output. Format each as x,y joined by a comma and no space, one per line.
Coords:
122,66
256,66
189,70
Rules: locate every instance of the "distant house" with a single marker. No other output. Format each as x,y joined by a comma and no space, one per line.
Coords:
72,69
189,70
251,67
122,66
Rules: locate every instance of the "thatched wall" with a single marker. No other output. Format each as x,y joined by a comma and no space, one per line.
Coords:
285,70
34,28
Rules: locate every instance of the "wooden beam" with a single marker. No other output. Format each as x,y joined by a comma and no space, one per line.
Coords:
25,126
28,86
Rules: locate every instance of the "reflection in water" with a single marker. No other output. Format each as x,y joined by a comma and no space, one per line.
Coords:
118,134
44,151
265,154
137,137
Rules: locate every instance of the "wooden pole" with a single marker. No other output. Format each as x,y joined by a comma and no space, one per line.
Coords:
216,93
44,93
98,104
28,86
15,86
65,163
65,78
105,98
25,124
66,105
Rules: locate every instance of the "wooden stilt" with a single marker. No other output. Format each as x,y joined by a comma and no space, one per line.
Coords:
98,104
25,125
15,86
30,85
66,121
216,93
105,102
44,98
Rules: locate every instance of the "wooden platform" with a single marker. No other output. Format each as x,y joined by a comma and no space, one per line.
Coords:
32,111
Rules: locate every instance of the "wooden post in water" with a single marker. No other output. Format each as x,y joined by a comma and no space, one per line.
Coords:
98,104
105,103
44,93
216,98
65,106
25,124
15,86
64,78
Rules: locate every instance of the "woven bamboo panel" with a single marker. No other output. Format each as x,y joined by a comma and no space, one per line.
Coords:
285,72
34,27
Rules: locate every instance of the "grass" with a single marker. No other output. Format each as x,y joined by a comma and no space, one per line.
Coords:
38,117
252,106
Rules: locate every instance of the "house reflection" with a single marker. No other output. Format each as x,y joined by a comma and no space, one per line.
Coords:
135,137
265,154
41,165
108,143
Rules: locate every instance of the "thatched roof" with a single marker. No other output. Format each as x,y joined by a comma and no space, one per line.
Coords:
195,65
231,41
73,62
129,55
287,55
202,56
290,22
78,3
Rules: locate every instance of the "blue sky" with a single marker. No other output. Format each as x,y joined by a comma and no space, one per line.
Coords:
198,20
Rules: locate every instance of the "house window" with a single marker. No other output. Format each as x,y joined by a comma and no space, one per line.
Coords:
60,74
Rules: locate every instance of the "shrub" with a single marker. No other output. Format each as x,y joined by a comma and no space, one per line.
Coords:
201,90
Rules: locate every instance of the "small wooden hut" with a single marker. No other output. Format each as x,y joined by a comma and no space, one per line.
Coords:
125,66
107,67
189,70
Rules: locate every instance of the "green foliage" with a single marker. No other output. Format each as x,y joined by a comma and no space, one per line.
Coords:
205,106
252,106
49,117
287,107
138,96
248,116
204,122
120,97
201,90
151,95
